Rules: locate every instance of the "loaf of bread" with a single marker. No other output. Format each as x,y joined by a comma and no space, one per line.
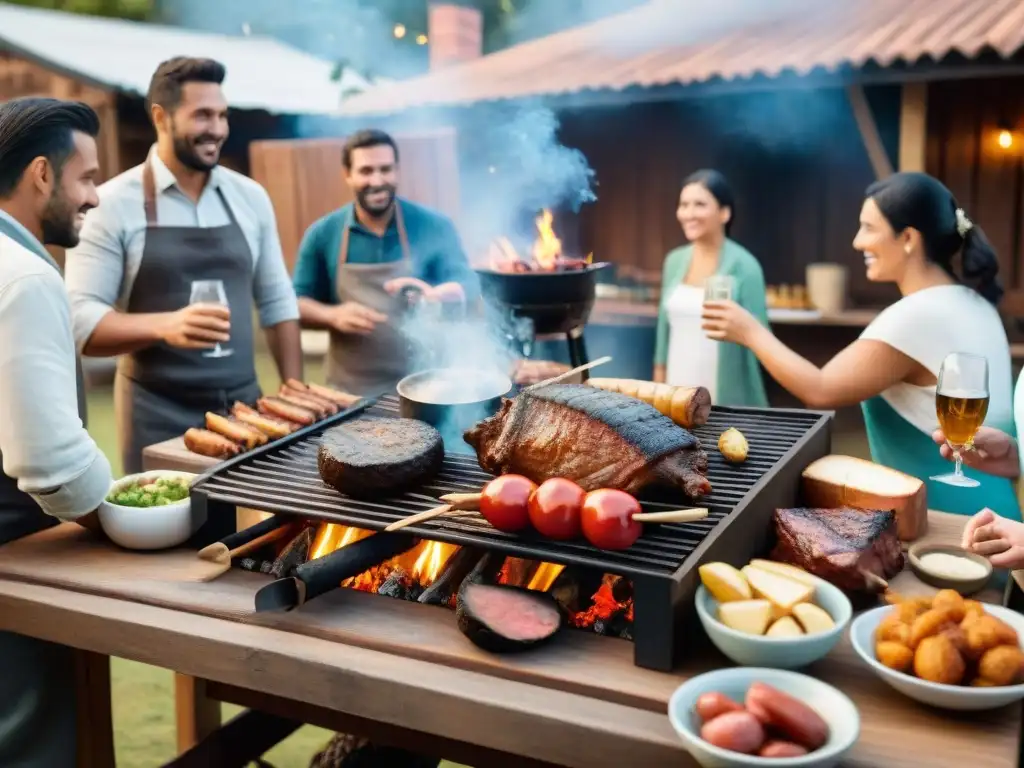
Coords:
845,481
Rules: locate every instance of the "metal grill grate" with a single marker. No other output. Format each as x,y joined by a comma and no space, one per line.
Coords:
285,480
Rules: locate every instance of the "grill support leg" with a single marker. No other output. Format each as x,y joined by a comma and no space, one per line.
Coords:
656,634
577,350
220,520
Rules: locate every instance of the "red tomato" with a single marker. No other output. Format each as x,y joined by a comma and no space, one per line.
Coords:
505,502
607,519
555,508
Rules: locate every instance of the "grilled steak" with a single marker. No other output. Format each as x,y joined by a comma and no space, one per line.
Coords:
371,456
840,545
599,439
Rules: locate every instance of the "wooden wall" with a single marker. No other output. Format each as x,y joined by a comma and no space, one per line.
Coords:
795,160
964,120
304,178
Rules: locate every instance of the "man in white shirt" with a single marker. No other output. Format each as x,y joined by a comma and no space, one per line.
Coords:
52,469
166,229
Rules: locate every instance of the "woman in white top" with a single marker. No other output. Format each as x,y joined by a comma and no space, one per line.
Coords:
911,229
683,353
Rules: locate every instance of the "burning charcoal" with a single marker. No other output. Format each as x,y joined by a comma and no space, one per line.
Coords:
517,572
574,587
255,565
487,570
455,571
616,625
622,589
293,555
397,585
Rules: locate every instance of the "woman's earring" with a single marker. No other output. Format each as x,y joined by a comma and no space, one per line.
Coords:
907,248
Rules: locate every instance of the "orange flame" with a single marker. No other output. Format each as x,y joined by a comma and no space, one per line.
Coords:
547,248
545,577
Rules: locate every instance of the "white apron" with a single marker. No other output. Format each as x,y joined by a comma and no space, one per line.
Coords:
692,356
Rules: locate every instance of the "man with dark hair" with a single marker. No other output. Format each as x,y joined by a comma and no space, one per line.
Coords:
52,469
176,239
354,261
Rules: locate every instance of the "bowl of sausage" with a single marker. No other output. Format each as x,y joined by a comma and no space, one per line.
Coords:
751,716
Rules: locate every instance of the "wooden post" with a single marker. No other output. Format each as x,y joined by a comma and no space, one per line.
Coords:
197,715
913,127
869,132
94,721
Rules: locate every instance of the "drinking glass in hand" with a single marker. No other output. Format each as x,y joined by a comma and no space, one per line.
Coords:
718,288
961,401
210,292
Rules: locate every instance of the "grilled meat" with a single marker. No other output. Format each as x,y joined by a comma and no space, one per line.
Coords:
371,456
207,443
840,545
237,432
599,439
277,408
272,428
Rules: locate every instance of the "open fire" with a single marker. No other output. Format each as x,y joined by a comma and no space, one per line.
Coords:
602,603
545,255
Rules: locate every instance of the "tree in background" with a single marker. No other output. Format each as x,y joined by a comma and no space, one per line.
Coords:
138,10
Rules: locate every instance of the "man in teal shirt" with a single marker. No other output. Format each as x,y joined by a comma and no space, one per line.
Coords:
353,263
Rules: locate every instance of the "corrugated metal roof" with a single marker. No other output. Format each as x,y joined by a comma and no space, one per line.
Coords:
669,42
262,73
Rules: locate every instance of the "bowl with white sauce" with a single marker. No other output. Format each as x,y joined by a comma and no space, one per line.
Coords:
949,567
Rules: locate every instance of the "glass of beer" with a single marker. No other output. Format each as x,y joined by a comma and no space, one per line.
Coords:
961,400
719,288
211,292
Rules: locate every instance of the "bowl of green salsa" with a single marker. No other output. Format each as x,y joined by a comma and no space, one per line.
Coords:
151,510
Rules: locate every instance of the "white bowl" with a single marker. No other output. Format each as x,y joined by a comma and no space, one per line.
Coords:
779,652
150,527
962,698
834,707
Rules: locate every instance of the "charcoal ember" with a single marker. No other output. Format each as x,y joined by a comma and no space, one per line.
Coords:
455,571
255,565
622,589
574,587
295,553
616,625
397,585
517,572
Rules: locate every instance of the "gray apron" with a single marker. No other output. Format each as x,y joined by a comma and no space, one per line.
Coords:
367,365
161,391
37,693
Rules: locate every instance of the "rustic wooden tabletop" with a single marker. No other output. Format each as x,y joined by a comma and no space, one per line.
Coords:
580,702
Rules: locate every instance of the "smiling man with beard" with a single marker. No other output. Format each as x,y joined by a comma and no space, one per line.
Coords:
354,261
175,220
52,469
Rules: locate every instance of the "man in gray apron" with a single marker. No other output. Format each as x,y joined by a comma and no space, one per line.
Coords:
354,262
176,219
52,468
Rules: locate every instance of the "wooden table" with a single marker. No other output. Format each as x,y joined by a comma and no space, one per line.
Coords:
402,673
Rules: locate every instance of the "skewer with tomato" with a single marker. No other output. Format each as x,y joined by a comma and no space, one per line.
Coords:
561,510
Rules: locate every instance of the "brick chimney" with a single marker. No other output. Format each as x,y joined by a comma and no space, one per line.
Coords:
455,33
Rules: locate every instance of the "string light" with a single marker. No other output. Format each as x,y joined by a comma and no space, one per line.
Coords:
399,31
1005,139
421,39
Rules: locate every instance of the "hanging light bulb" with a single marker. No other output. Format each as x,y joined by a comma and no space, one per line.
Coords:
1005,138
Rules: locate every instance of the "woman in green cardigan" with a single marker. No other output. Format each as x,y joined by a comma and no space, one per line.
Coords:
684,355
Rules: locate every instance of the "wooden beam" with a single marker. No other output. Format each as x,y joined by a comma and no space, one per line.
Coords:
94,721
197,715
238,743
913,126
869,132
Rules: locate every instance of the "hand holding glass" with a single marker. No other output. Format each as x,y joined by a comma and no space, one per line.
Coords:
718,288
210,292
961,402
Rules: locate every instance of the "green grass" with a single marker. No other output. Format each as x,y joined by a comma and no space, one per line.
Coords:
143,696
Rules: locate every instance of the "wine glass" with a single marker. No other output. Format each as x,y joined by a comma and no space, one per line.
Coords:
719,288
211,292
961,401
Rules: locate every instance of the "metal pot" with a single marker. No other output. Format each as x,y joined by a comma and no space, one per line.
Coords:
428,396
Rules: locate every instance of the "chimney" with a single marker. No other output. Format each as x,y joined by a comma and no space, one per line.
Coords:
455,34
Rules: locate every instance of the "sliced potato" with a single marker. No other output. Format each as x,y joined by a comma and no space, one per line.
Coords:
787,570
733,445
813,618
784,627
750,616
725,583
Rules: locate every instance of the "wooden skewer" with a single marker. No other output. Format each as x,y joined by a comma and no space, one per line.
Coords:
874,580
463,501
567,374
218,553
673,516
419,517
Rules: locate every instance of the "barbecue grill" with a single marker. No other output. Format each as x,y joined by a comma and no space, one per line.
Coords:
542,302
282,478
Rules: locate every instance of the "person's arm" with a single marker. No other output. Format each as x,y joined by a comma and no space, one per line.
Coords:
44,444
863,370
93,273
752,293
275,298
668,277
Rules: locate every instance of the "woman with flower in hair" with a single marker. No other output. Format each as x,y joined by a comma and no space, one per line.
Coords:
911,230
